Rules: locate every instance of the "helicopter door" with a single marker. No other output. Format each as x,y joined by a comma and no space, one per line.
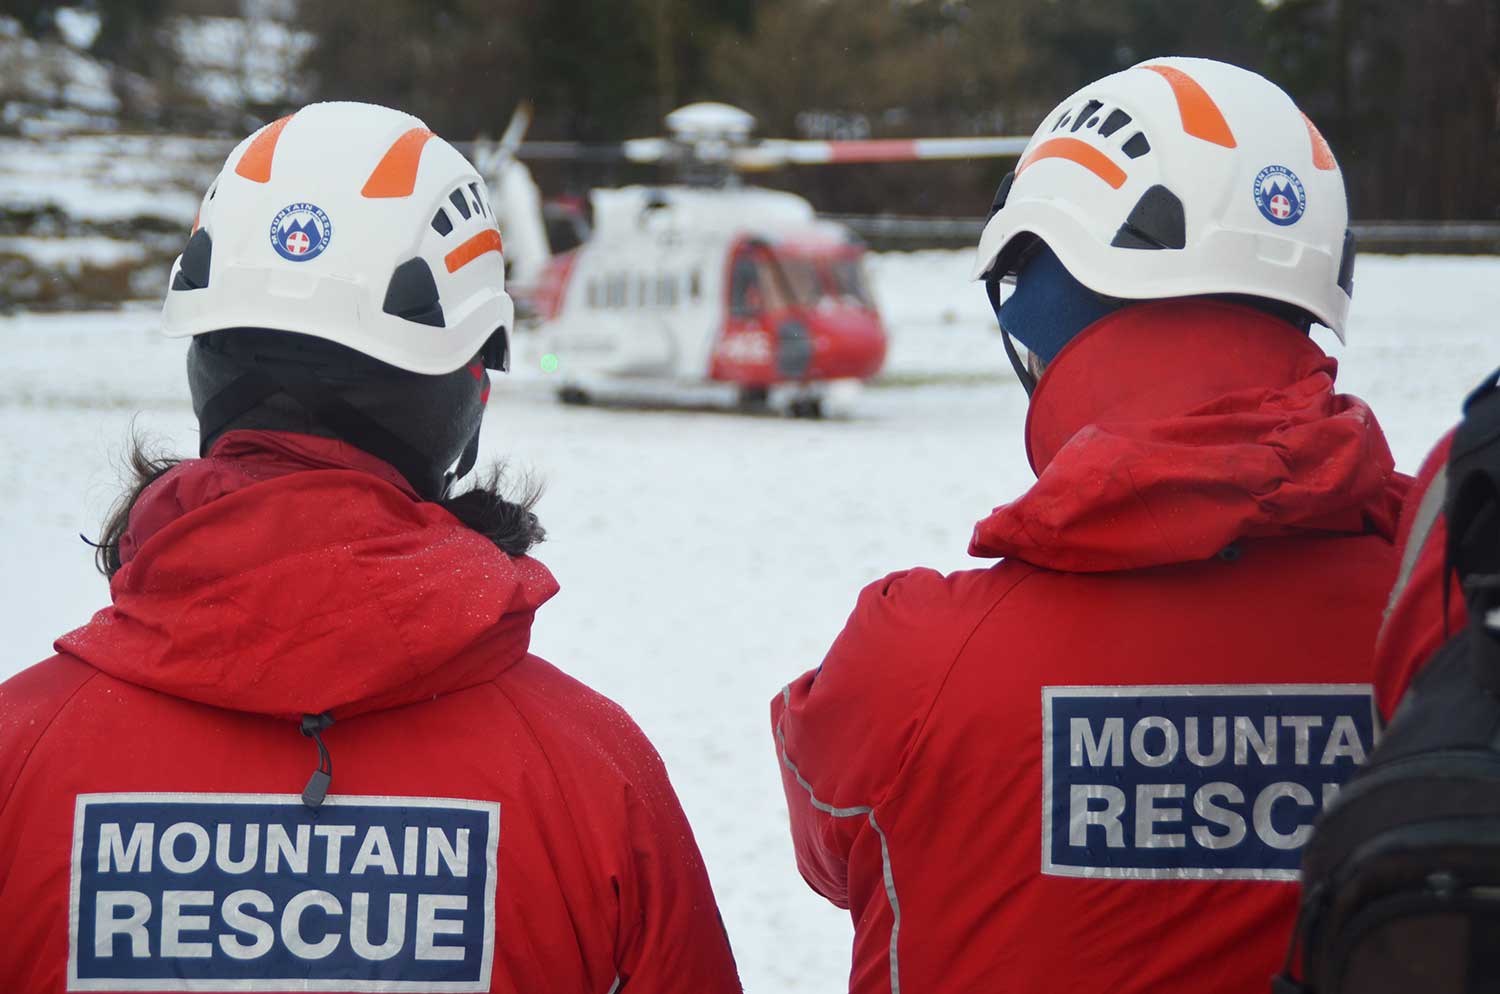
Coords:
746,353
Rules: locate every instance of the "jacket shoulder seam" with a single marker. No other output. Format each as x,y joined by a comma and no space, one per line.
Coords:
958,654
36,744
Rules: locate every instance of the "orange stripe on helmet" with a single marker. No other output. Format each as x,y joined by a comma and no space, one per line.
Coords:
1322,154
1080,152
486,241
1201,117
255,164
396,173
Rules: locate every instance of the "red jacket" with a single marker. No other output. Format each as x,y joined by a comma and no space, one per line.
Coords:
1091,766
1414,627
492,824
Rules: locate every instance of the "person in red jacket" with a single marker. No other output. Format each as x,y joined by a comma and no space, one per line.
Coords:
1419,619
305,748
1092,766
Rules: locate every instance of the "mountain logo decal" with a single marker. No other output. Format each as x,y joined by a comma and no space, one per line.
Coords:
1279,195
301,232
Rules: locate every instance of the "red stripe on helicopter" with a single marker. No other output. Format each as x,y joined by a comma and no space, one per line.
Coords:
486,241
882,150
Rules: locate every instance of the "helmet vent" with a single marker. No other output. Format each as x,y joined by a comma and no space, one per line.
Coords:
1116,120
461,202
440,222
1002,193
1062,121
479,204
1086,114
192,273
1156,222
413,294
1137,146
1346,264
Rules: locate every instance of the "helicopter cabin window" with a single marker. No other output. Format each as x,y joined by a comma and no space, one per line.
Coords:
695,286
666,290
593,294
615,288
643,291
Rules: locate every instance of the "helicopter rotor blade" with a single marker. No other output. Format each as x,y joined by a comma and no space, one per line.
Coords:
644,150
515,131
774,153
572,151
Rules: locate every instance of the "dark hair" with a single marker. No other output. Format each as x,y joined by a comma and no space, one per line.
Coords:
510,524
144,466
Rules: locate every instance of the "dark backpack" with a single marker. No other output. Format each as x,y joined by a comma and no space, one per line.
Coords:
1401,878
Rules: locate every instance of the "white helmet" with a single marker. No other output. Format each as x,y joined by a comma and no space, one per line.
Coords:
1179,177
352,223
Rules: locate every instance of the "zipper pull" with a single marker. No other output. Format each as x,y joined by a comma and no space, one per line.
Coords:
316,790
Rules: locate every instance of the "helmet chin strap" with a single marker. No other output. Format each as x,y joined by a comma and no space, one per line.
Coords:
1028,381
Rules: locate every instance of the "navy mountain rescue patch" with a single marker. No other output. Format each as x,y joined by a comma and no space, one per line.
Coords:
1279,195
258,892
301,232
1195,782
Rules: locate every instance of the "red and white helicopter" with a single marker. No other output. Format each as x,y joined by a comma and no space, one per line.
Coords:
705,288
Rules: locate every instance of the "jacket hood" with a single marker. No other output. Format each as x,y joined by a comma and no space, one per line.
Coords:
287,574
1167,431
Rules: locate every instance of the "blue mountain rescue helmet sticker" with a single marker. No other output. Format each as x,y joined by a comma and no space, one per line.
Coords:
257,892
301,232
1194,782
1279,195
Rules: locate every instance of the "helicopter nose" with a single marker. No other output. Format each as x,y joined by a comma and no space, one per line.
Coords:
849,346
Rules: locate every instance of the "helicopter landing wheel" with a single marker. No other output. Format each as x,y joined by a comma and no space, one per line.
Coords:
573,396
807,407
754,398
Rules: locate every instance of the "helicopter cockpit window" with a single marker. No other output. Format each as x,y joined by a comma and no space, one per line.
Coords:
849,281
745,296
802,276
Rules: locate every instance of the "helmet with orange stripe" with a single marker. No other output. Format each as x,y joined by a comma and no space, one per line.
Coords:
1174,178
344,277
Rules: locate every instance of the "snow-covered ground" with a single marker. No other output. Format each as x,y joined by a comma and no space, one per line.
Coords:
705,559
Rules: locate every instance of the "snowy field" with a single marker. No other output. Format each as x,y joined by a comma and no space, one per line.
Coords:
704,558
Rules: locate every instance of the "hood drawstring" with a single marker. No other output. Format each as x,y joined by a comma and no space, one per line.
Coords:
316,790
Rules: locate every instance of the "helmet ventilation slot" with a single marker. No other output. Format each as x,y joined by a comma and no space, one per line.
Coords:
440,222
413,294
1346,264
192,274
1116,120
1086,115
1155,222
461,202
1137,146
